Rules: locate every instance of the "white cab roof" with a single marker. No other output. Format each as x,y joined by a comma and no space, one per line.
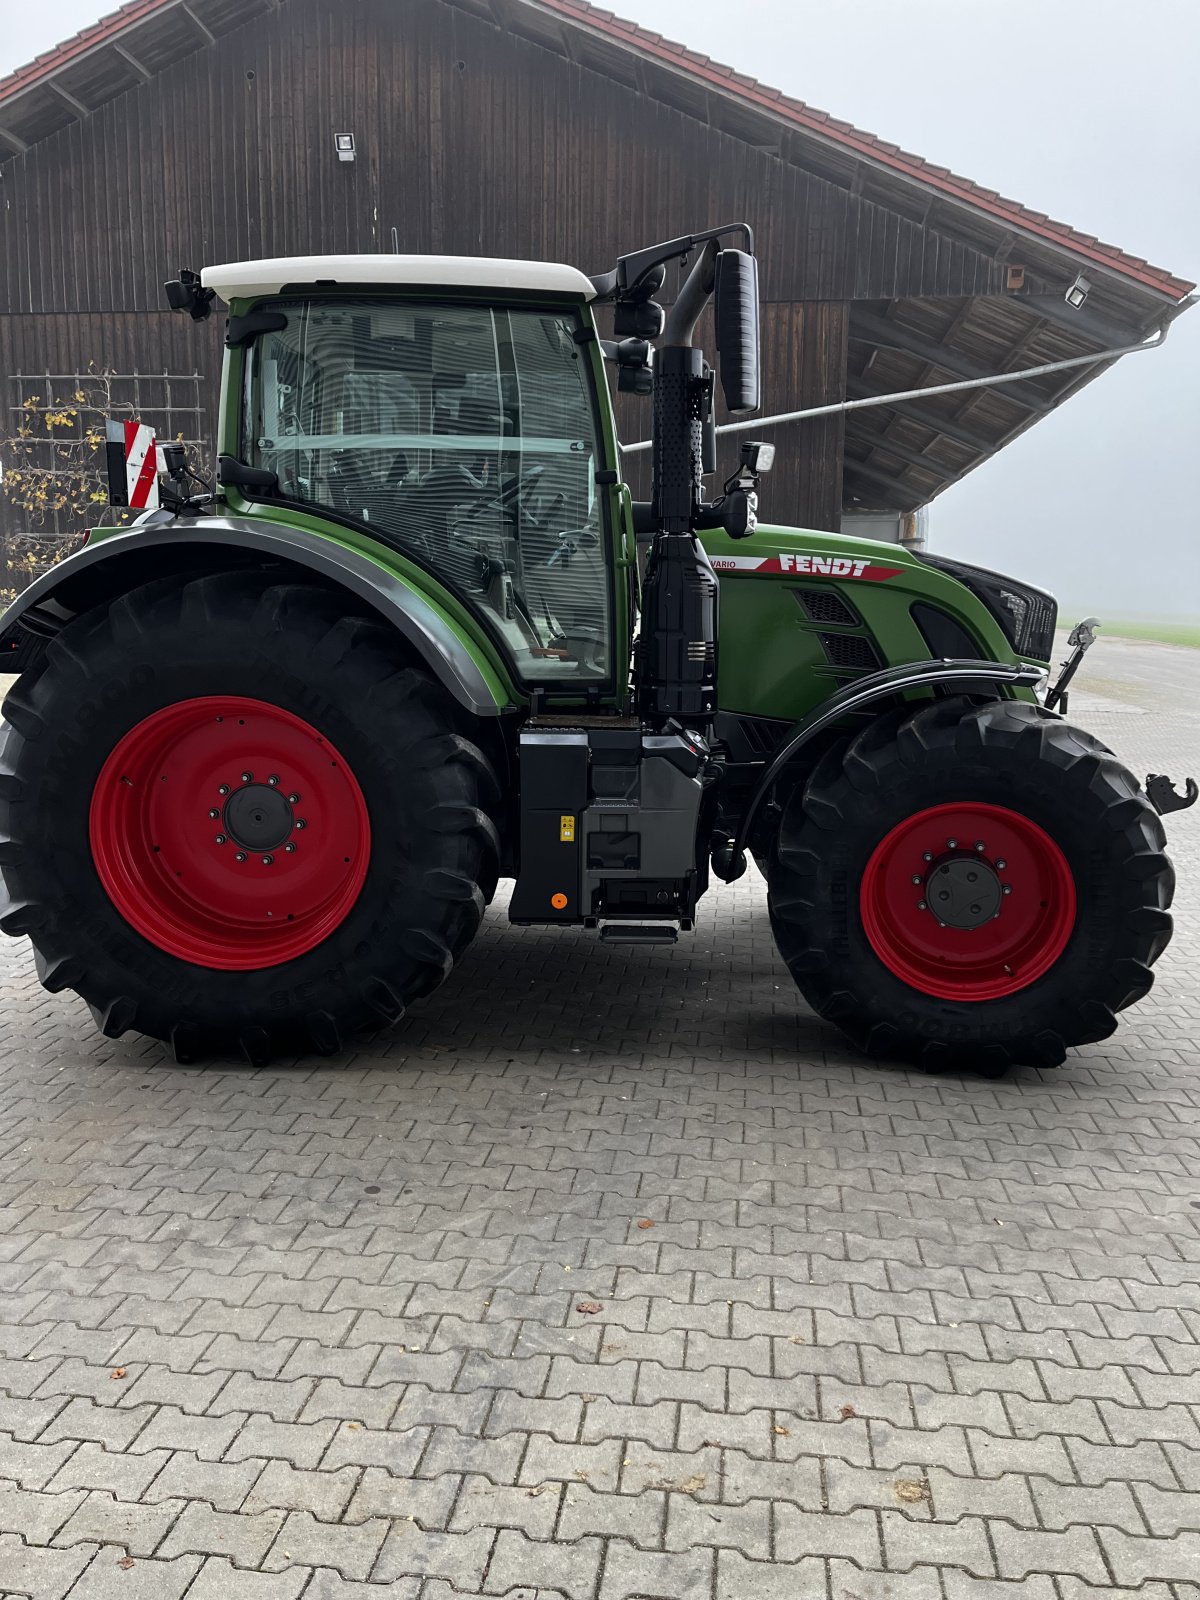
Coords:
242,279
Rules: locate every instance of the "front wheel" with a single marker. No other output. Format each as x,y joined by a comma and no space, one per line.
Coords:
970,885
234,817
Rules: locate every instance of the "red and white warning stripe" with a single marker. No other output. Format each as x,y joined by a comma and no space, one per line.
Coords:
133,457
815,566
141,466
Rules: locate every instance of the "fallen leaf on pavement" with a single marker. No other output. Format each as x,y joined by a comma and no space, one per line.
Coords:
691,1485
118,1372
646,1222
589,1307
125,1563
848,1411
785,1433
912,1490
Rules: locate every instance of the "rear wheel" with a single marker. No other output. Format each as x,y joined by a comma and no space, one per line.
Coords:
970,885
234,817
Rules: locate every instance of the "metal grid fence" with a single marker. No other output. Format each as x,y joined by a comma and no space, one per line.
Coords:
52,455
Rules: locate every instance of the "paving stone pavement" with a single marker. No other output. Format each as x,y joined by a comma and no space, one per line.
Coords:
319,1330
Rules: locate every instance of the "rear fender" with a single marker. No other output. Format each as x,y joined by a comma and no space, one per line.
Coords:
111,566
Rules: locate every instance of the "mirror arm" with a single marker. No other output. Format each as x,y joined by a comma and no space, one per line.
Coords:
693,297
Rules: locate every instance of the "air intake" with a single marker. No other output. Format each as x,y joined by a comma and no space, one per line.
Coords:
827,607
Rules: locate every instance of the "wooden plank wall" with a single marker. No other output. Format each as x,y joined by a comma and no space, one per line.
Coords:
470,140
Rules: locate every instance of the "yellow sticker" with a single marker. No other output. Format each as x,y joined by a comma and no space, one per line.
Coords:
566,830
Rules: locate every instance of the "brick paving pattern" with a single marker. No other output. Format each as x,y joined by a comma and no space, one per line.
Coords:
606,1275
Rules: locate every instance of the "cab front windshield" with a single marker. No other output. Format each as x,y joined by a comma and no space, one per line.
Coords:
463,435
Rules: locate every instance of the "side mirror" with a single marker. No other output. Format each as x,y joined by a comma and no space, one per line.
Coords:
187,293
737,329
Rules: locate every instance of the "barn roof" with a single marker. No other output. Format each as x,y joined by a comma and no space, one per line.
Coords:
895,456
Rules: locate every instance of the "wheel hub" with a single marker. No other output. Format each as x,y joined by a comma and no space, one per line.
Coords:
258,817
967,901
229,832
964,892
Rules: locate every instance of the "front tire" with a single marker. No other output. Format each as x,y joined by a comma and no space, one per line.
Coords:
970,885
234,817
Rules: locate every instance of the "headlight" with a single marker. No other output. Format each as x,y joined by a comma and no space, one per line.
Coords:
1026,615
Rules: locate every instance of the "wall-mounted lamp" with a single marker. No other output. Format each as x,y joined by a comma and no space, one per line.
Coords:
343,143
1078,292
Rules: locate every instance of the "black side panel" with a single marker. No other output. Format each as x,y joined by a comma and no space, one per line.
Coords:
946,637
554,793
163,545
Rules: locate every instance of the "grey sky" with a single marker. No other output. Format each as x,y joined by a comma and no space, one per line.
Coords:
1078,110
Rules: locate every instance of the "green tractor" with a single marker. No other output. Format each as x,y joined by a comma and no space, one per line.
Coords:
273,748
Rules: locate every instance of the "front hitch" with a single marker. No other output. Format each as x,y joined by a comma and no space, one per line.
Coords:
1081,639
1164,797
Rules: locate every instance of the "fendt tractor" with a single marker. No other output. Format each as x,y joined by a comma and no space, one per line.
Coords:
275,745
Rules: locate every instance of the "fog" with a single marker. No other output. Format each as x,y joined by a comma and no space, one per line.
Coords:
1085,112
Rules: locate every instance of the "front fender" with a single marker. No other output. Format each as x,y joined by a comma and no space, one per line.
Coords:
115,564
866,694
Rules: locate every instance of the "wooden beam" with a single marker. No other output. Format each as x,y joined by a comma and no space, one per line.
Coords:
209,36
878,475
1085,323
917,412
131,60
866,327
885,480
880,441
68,99
12,139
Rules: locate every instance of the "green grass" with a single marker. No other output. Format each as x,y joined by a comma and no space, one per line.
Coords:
1187,633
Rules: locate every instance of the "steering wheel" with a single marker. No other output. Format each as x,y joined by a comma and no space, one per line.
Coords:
518,500
570,542
588,646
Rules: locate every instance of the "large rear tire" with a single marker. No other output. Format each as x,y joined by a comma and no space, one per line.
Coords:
970,885
234,817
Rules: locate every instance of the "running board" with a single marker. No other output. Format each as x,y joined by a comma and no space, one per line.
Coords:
639,933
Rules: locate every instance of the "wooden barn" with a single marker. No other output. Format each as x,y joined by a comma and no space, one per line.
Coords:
184,132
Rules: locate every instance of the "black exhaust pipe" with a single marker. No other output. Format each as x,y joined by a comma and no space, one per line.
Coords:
677,659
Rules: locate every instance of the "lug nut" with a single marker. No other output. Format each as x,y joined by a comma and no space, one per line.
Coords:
289,849
979,844
214,814
220,838
921,906
300,823
268,861
241,856
1006,888
273,780
247,777
951,844
293,799
1001,863
927,856
917,878
224,789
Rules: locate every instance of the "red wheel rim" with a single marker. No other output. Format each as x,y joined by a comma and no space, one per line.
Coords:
229,833
968,902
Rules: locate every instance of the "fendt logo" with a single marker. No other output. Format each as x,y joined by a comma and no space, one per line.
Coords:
811,565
